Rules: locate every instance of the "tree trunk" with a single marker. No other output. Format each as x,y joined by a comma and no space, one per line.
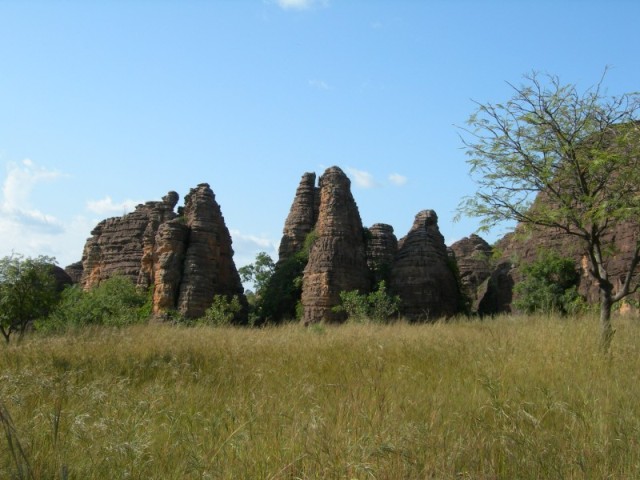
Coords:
606,303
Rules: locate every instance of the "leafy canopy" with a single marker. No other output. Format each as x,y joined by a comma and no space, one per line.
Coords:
27,292
549,285
580,149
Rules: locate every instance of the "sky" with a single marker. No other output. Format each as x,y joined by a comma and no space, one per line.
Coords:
108,104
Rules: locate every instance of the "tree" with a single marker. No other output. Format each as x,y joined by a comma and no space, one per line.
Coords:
27,292
579,151
258,272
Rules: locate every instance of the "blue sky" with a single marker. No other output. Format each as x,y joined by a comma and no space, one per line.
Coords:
106,104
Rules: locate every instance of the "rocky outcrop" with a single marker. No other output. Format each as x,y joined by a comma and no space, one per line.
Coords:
208,267
187,259
62,278
382,246
168,259
421,274
302,217
75,272
337,260
117,245
473,258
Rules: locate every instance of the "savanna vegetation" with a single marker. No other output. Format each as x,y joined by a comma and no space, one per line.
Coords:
523,398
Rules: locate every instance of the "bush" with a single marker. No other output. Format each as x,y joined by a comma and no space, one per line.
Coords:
550,285
221,312
378,306
115,302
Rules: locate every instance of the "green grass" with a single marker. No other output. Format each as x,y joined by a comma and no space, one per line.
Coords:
506,398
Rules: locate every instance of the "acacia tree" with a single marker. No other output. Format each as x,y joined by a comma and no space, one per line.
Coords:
580,152
27,292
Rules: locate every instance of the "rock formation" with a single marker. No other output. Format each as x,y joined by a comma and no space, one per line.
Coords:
117,245
421,274
208,267
382,246
302,217
186,259
473,258
337,260
75,272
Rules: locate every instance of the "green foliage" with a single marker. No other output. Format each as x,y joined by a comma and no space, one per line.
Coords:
259,273
221,312
27,292
549,286
115,302
580,151
378,306
283,290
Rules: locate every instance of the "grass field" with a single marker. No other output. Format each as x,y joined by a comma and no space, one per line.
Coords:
499,399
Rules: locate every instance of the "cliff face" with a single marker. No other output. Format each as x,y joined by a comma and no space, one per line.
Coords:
187,260
421,274
473,258
337,260
117,245
302,217
382,247
208,266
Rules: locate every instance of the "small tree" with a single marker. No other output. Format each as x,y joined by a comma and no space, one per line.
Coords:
549,285
27,292
259,272
580,152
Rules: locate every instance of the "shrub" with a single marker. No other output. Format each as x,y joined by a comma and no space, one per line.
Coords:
221,312
115,302
550,285
378,306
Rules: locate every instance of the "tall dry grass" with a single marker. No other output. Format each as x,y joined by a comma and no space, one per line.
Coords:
507,398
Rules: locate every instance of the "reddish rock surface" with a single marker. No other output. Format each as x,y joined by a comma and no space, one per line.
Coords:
421,274
302,217
208,267
117,245
382,247
186,259
337,260
473,258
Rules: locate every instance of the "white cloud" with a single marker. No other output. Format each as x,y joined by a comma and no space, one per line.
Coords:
301,4
398,180
362,179
27,230
319,84
247,246
106,206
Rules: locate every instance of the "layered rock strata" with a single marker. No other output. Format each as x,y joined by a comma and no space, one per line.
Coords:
473,258
382,246
117,245
208,267
186,259
421,274
302,217
337,260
